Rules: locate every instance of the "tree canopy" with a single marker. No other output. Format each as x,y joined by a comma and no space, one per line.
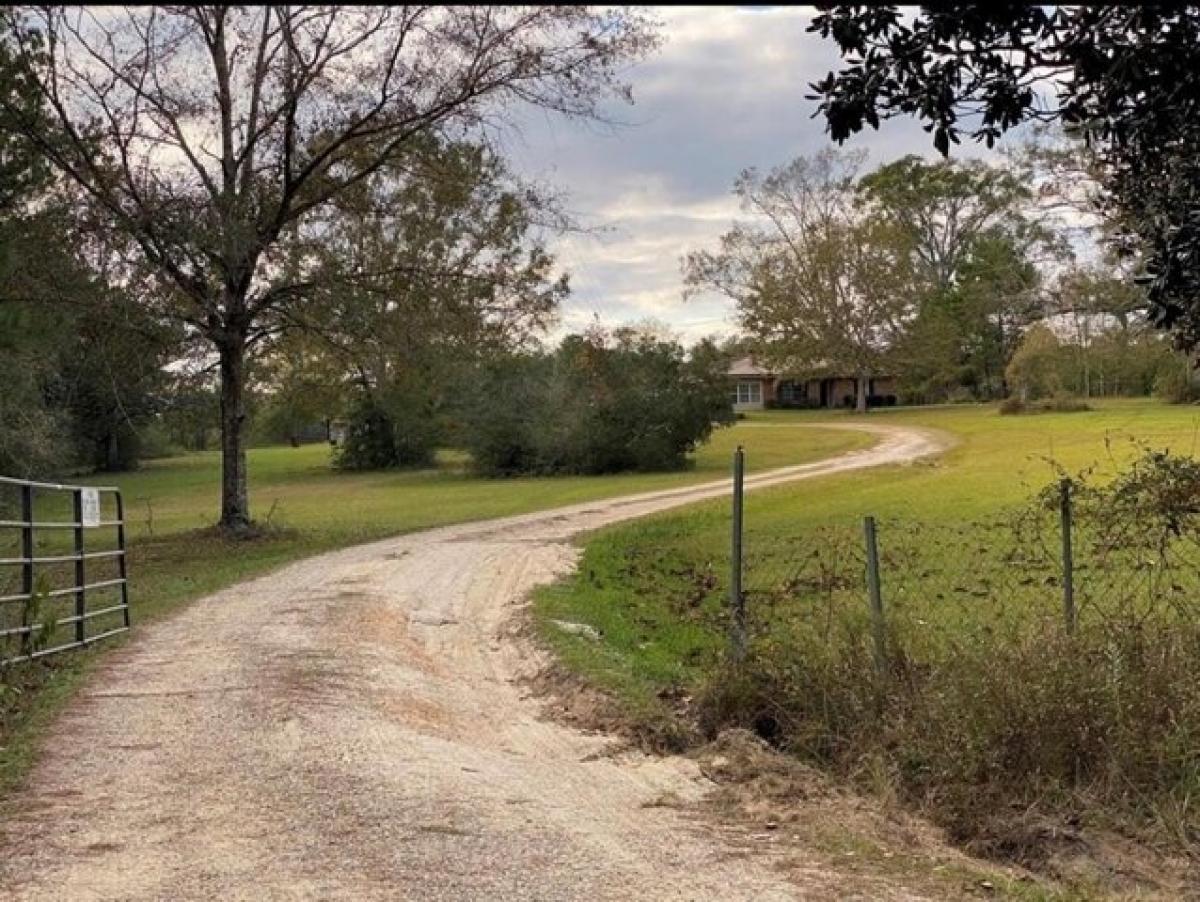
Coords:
212,140
823,283
1124,78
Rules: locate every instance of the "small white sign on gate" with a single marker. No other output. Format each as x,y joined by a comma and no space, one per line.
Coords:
90,506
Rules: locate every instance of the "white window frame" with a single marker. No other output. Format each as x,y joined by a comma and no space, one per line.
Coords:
748,392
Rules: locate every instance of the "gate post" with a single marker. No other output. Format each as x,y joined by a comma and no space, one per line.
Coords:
80,601
122,571
26,564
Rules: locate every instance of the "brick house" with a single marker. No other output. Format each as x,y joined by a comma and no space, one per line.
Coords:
756,387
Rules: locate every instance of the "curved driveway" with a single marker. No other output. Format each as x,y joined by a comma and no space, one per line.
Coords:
353,726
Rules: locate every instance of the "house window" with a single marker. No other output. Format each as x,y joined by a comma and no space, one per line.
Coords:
748,393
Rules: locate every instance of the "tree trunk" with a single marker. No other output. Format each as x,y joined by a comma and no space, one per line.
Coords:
235,501
112,452
864,385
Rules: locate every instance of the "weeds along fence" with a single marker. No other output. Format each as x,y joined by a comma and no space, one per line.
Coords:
1045,651
63,578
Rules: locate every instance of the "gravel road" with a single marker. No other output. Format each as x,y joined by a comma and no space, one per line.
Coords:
353,726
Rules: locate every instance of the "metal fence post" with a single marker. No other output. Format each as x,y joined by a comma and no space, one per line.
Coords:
80,598
1068,557
122,564
737,600
26,564
875,595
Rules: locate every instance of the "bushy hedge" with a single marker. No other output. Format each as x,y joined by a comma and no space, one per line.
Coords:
601,403
1058,404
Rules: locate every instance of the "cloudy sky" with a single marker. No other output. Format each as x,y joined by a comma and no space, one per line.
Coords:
725,92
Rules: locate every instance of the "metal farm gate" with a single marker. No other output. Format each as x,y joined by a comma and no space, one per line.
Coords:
63,580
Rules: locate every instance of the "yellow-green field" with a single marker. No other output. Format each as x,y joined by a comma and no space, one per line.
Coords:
979,708
995,462
297,488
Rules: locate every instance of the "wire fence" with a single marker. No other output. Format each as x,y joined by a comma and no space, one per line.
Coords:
914,587
1042,658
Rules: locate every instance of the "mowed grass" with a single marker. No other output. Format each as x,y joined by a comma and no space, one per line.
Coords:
298,488
655,588
174,555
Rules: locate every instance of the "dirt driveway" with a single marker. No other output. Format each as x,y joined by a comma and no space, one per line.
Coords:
353,727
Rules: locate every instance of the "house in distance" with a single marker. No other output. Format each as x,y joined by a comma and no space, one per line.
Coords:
756,387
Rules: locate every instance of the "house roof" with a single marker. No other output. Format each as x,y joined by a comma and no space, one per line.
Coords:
745,366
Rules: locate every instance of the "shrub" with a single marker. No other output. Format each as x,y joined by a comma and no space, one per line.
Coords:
1058,404
1013,405
393,428
961,394
156,442
1035,365
500,427
601,403
793,404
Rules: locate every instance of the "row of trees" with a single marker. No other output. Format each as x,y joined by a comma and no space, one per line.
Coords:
930,271
81,363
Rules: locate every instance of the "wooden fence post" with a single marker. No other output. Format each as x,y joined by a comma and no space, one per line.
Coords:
737,599
875,596
1068,555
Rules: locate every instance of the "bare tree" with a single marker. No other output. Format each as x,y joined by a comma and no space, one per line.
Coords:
212,137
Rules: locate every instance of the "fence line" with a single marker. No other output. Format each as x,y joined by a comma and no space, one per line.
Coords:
1002,569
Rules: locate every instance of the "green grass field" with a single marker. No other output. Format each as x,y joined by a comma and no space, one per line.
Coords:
639,582
174,557
297,487
984,712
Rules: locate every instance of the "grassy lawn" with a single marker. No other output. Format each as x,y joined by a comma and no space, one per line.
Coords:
173,557
990,705
297,488
655,588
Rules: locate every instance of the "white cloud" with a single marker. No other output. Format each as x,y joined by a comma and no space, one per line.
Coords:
727,91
